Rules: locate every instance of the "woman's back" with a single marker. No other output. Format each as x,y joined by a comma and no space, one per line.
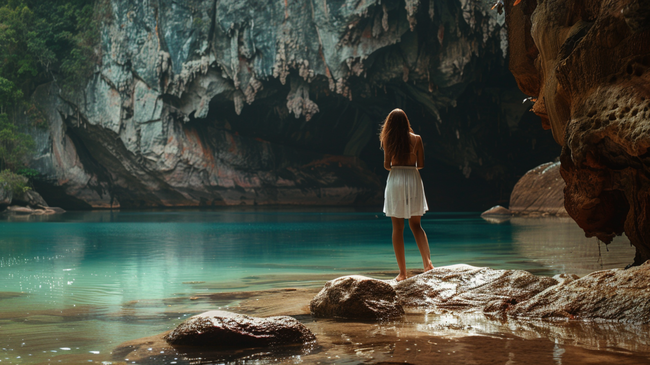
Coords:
415,157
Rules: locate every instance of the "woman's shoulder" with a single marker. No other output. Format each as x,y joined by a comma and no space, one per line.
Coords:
415,136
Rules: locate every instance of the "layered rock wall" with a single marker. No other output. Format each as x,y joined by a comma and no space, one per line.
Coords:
209,102
586,62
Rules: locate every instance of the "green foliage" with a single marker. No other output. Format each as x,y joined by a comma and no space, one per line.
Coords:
16,183
15,147
43,41
30,174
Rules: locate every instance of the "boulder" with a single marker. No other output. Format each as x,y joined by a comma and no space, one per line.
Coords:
540,192
465,288
497,214
618,295
227,329
497,211
357,297
31,198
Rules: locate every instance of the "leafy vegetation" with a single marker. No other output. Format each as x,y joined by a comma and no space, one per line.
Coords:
14,146
18,184
40,41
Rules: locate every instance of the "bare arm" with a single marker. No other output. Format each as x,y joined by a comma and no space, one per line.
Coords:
420,153
387,160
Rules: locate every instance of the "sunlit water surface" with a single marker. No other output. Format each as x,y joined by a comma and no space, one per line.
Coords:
81,283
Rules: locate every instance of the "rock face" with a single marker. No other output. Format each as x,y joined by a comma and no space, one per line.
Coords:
540,192
621,295
251,102
227,329
357,297
465,288
586,62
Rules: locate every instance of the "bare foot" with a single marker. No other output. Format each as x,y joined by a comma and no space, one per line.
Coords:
428,267
400,277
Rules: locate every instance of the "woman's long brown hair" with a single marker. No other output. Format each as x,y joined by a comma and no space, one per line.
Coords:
394,136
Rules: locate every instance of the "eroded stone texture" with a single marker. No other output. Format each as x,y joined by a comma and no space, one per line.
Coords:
232,330
586,61
620,295
465,288
241,102
357,297
540,192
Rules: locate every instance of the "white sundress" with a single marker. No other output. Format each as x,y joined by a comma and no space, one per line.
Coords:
404,196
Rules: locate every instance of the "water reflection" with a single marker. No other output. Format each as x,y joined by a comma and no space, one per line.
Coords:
559,244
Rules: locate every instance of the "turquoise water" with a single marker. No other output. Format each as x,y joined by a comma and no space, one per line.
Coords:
81,283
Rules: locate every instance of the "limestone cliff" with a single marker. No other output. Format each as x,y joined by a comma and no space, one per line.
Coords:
586,62
212,102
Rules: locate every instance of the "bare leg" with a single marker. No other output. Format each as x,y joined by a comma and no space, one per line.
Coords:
398,246
421,240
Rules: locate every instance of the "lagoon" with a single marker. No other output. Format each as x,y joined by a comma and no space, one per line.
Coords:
74,286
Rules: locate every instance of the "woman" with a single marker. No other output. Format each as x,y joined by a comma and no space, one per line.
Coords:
404,197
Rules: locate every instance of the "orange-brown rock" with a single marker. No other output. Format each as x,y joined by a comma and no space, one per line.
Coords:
586,62
540,192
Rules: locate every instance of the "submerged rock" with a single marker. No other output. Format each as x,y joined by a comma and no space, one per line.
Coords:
227,329
357,297
465,288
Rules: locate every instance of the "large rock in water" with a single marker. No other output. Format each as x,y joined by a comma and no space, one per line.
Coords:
540,192
255,102
356,297
620,295
227,329
465,288
612,295
587,63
